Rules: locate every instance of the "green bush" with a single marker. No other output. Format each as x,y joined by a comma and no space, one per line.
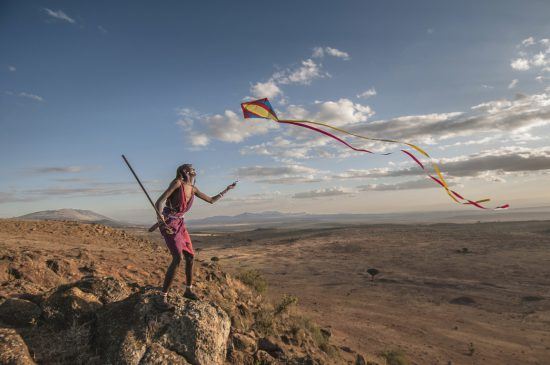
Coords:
254,279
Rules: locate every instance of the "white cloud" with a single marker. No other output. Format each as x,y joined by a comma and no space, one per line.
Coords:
539,60
504,160
102,29
528,42
56,169
323,193
305,74
320,52
289,174
59,14
31,96
263,171
198,139
26,95
337,53
513,84
493,106
200,129
514,118
367,94
11,68
308,71
533,54
267,89
426,183
520,64
340,112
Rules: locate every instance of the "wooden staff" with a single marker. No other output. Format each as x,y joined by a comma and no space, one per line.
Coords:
148,197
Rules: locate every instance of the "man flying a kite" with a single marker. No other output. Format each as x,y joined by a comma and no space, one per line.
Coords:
179,199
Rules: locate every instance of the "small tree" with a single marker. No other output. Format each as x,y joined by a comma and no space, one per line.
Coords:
373,272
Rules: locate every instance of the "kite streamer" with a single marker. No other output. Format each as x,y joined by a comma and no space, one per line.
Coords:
262,108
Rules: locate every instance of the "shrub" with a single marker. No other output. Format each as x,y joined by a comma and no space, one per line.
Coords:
320,339
285,303
254,279
263,321
394,357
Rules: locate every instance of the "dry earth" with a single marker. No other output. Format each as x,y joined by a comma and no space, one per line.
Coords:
438,303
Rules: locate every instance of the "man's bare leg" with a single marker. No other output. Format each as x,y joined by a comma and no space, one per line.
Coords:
189,277
169,279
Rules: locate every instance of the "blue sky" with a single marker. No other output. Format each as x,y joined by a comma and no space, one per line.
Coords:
82,82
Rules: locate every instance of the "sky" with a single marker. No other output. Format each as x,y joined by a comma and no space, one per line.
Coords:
83,82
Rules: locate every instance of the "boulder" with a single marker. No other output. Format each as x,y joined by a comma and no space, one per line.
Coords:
19,312
106,289
271,347
244,342
13,350
199,331
262,357
69,305
131,329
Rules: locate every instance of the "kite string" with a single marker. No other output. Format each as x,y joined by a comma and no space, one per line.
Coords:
441,181
444,184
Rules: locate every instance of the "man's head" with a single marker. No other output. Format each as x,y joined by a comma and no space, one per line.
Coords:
186,170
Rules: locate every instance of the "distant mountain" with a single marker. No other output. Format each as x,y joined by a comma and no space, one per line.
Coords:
78,215
278,219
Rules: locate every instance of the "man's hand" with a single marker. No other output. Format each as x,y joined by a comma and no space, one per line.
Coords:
232,186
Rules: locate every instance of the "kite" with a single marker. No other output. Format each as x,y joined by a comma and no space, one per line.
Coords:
262,109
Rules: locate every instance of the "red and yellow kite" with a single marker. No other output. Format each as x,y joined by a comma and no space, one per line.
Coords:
262,108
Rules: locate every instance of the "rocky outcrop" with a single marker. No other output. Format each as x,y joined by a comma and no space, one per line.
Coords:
103,320
131,331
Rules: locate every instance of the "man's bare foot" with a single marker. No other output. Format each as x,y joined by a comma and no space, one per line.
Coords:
190,295
161,303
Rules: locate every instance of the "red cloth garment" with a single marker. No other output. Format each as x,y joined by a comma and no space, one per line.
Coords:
179,240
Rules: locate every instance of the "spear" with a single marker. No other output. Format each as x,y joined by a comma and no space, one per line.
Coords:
148,197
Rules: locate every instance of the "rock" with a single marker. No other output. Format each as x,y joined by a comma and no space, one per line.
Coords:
195,331
158,355
19,312
262,357
360,360
68,305
199,331
244,342
13,350
271,347
106,289
346,349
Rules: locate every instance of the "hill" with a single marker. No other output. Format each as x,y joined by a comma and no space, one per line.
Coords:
77,215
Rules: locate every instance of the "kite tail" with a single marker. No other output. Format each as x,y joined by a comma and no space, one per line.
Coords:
456,197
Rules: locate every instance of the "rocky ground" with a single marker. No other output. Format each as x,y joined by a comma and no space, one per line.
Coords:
75,293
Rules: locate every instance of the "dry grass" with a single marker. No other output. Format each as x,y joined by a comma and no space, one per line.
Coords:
254,279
